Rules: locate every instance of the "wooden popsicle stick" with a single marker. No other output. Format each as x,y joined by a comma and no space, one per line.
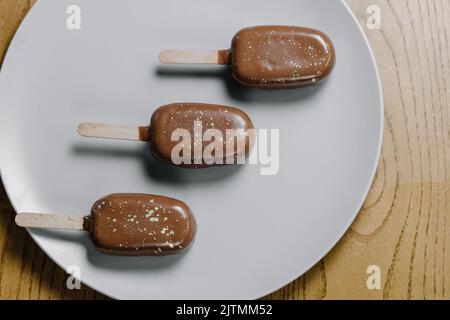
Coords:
51,221
112,131
195,57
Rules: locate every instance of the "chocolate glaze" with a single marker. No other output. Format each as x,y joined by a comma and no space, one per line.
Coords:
224,57
281,57
132,224
170,117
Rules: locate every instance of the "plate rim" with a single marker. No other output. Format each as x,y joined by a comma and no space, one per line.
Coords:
375,164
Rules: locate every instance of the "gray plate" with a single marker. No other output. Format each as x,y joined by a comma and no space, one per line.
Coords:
255,233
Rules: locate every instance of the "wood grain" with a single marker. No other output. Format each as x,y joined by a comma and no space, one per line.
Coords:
403,226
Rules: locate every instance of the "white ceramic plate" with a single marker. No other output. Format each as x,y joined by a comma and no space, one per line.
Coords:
255,233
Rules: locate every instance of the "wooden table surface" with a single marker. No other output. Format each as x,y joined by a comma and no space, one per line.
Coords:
403,226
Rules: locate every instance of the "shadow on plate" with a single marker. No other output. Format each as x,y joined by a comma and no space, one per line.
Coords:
237,91
156,170
108,261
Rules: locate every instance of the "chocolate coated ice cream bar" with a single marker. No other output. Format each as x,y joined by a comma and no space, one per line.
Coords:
269,57
127,224
192,135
